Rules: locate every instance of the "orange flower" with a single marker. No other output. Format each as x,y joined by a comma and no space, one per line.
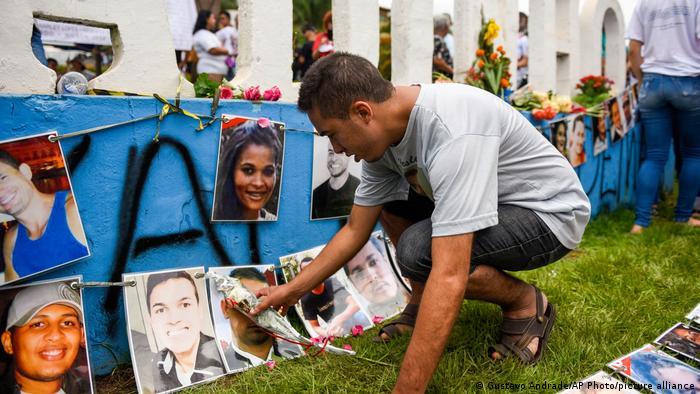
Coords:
480,64
494,56
505,83
479,52
500,49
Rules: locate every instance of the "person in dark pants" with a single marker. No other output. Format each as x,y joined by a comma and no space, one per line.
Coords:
504,200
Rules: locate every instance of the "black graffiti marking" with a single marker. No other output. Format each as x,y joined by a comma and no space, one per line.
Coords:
76,156
137,174
253,243
144,244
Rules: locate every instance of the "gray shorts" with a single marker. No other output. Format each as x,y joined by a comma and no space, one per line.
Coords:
520,241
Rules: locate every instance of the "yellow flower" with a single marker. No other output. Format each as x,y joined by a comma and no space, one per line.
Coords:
492,30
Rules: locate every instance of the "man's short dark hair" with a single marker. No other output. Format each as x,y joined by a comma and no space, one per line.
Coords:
156,279
336,81
7,158
249,273
225,13
308,27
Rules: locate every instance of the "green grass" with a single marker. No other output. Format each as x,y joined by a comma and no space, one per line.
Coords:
614,294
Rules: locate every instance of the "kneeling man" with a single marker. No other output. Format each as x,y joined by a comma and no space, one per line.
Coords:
466,188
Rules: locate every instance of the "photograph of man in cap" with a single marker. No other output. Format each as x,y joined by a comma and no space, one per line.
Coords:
334,197
44,338
249,344
48,231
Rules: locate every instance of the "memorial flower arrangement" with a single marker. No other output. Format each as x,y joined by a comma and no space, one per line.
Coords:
203,87
595,89
544,105
489,71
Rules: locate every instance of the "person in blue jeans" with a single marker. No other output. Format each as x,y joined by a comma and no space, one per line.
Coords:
665,57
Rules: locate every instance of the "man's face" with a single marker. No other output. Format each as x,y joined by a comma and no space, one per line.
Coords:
175,316
16,188
243,329
689,335
355,136
337,162
371,276
45,348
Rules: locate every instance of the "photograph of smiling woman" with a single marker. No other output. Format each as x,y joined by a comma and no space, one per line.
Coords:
249,170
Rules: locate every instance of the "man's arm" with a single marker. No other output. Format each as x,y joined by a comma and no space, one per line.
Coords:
344,245
442,298
8,247
636,59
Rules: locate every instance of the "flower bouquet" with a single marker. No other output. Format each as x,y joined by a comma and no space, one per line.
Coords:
544,105
489,71
595,89
203,87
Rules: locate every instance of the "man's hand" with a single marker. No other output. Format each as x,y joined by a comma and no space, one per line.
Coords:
281,298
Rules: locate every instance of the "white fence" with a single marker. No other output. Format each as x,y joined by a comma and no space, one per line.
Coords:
565,44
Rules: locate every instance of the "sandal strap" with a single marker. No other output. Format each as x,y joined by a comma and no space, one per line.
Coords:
534,325
408,316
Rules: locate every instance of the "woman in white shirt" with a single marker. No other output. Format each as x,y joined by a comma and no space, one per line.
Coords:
212,55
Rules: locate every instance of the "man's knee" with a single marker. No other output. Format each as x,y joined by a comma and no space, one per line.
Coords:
413,251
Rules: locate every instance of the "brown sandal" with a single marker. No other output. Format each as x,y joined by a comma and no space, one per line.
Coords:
538,326
407,317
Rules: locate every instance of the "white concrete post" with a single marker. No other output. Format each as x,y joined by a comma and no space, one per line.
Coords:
542,59
412,41
568,58
596,14
265,49
356,28
144,60
467,23
508,18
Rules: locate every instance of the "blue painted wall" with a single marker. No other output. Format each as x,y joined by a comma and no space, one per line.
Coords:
146,205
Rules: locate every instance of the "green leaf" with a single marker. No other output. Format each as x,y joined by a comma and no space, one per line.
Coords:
203,87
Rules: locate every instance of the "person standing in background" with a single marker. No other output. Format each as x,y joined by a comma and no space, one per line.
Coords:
323,42
665,57
449,38
305,58
210,52
522,51
228,35
442,60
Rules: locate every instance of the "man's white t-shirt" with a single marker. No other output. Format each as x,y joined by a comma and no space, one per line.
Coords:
470,151
203,41
670,33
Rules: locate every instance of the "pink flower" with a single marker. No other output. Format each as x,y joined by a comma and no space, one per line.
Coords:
271,365
377,319
347,346
252,93
357,330
272,94
316,340
264,123
225,93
